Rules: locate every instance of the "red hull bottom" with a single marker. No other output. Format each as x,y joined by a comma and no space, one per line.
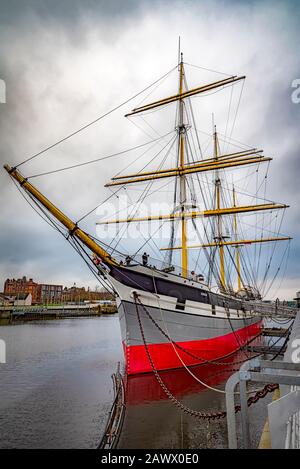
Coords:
165,357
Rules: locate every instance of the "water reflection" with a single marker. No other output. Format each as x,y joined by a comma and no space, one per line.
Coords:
145,388
56,388
153,421
56,392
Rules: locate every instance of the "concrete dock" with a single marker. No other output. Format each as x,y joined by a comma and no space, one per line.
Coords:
13,314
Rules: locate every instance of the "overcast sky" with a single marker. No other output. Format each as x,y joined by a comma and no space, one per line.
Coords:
66,62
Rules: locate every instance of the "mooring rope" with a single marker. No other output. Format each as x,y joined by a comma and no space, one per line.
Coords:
195,413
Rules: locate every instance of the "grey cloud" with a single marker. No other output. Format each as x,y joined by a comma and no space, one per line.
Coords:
65,10
65,62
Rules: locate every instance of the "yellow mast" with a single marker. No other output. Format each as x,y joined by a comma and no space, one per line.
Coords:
230,157
219,217
216,162
231,243
237,249
186,94
205,165
74,230
197,214
181,133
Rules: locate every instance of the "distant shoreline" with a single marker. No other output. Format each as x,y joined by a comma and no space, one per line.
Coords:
15,316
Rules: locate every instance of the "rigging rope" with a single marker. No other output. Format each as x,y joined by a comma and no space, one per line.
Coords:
198,414
208,69
145,193
94,121
121,187
100,158
237,109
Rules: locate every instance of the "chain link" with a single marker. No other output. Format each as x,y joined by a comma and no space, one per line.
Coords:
195,413
203,360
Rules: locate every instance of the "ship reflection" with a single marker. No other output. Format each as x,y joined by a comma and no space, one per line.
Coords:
145,388
153,421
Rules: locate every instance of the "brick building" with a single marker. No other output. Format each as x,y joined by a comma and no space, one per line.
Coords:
80,294
13,287
40,293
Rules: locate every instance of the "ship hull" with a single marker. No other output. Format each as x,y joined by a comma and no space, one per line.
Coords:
189,339
180,321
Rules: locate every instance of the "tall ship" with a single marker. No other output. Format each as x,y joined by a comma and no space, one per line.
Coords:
201,300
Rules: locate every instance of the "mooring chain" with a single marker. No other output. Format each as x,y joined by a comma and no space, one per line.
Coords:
195,413
203,360
198,414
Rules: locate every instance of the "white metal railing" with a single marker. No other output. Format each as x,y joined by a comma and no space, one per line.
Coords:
258,307
292,440
284,414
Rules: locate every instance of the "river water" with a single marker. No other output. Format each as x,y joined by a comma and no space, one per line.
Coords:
56,388
56,392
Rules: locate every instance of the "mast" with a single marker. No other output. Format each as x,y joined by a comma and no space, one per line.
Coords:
219,237
73,228
204,213
237,249
183,212
214,163
181,137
